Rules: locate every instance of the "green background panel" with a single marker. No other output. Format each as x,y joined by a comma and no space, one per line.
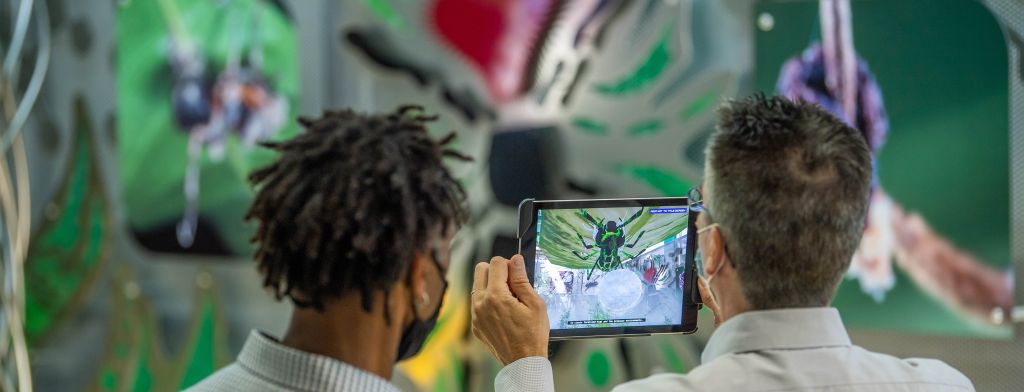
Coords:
942,69
152,149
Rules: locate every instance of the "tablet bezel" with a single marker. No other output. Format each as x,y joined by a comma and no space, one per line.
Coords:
527,247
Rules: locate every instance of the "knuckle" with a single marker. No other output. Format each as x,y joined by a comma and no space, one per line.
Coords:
498,260
488,303
507,301
483,305
538,302
538,306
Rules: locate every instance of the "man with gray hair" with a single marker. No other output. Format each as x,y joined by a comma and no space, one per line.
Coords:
783,208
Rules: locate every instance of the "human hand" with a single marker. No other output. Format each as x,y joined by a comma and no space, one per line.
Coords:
709,300
508,315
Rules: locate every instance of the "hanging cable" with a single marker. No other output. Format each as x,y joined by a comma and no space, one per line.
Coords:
15,195
35,84
17,39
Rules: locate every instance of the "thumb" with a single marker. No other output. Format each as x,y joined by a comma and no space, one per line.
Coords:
518,281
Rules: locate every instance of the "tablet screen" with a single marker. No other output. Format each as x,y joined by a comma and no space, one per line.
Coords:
611,267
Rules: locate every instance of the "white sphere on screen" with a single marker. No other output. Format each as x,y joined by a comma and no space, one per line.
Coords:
619,291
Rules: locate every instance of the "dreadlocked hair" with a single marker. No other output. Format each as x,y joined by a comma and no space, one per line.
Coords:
348,204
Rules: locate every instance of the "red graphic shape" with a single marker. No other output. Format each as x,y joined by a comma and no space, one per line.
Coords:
496,36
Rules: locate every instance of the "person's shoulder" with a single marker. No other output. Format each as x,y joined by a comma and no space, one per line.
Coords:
926,370
231,378
707,377
744,372
659,382
935,370
220,380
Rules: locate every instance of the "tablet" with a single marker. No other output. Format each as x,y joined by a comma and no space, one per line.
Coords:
612,267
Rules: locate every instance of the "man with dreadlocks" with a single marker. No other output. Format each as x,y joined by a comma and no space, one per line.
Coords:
355,219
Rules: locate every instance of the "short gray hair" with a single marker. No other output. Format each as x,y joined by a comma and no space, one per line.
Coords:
788,184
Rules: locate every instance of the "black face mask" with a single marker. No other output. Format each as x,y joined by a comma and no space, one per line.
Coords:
416,334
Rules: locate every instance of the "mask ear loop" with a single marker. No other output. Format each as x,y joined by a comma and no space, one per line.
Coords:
708,227
441,271
435,256
707,283
700,273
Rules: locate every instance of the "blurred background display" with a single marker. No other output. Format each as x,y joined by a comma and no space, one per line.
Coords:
199,84
933,105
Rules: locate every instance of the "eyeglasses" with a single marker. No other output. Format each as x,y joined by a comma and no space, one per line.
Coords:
696,198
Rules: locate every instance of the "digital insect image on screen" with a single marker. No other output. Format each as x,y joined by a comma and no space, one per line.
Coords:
611,267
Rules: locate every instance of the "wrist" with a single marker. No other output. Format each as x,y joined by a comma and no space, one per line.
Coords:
527,353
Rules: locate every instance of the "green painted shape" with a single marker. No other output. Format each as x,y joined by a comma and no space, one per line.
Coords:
700,105
108,381
672,359
453,379
143,371
458,372
383,10
110,375
441,384
152,149
651,68
663,181
646,128
120,351
65,255
599,368
203,361
590,126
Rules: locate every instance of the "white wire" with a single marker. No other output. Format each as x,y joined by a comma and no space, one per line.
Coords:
10,218
18,38
23,227
12,299
15,200
35,85
20,344
24,207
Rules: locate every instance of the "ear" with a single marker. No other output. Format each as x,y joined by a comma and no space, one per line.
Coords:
714,254
417,277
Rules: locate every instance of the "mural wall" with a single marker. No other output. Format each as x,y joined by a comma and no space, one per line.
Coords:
138,274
